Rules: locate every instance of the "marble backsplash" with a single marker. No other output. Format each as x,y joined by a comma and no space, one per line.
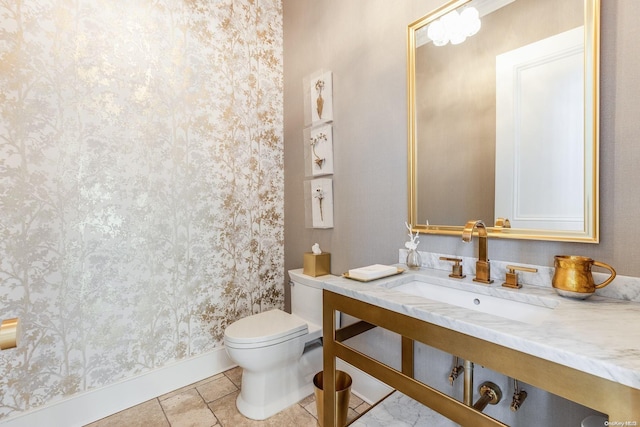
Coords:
623,287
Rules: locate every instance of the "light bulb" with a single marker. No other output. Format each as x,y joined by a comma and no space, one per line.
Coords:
436,31
471,20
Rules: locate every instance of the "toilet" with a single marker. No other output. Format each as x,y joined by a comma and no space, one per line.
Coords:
279,353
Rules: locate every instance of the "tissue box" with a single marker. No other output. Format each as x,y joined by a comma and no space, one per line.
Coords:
316,265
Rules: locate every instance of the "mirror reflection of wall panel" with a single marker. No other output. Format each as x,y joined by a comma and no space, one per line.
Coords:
539,162
455,131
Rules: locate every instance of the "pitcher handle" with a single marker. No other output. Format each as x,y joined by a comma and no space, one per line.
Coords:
608,267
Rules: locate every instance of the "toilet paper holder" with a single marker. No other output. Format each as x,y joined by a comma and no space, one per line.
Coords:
9,333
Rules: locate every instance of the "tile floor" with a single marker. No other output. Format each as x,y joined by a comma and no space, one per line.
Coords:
212,402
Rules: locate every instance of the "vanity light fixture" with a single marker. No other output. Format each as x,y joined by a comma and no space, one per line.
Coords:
454,27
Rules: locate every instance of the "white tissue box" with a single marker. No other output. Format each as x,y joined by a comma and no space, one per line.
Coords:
372,272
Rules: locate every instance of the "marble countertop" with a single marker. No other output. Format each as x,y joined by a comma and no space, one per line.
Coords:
599,335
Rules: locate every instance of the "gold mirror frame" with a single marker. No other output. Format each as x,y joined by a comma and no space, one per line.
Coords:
590,233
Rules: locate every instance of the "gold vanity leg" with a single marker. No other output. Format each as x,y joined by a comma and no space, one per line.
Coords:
330,416
407,356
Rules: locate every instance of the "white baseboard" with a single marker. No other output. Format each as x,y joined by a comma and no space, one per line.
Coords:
90,406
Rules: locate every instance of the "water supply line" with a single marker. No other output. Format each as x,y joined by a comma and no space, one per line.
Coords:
468,383
467,370
518,396
456,370
490,393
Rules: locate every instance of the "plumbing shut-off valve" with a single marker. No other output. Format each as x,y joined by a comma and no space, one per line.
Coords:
455,371
518,396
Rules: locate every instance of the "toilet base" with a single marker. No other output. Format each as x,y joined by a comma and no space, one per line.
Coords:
265,394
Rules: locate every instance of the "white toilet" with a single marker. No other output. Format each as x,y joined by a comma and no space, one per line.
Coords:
278,352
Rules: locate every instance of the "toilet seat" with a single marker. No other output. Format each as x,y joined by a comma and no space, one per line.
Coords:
264,329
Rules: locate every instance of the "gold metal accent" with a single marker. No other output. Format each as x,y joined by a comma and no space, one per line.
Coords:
316,264
456,268
619,401
346,276
483,266
573,274
591,231
353,330
9,333
511,280
489,394
407,356
343,385
467,391
446,405
455,371
518,397
502,223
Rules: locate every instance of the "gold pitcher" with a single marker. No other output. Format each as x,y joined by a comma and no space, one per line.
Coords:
572,277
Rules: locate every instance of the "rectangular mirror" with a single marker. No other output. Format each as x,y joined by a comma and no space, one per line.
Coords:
503,118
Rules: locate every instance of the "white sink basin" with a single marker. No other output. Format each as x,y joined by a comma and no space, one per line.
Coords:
520,311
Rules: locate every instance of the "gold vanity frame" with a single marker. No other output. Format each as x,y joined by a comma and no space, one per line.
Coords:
620,402
590,234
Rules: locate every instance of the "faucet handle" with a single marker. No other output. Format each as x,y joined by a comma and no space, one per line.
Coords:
456,268
512,276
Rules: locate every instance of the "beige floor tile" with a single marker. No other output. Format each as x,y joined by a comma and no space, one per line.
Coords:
362,408
235,375
311,408
144,415
227,414
309,399
351,415
309,404
357,406
293,416
212,402
190,386
216,389
354,401
188,409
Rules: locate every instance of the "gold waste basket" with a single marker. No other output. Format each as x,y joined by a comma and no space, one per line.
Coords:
343,392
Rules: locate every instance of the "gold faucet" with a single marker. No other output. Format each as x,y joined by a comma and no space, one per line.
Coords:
483,267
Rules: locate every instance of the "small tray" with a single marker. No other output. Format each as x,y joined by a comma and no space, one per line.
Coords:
399,271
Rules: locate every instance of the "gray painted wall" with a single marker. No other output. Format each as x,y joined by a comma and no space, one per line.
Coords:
364,43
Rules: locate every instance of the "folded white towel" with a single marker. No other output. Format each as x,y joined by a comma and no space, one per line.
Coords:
371,272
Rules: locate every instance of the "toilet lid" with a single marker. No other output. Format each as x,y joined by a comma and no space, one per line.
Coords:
266,328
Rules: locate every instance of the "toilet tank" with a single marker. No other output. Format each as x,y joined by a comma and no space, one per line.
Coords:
306,297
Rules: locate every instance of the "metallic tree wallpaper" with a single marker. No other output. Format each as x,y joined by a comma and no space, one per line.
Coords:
141,184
